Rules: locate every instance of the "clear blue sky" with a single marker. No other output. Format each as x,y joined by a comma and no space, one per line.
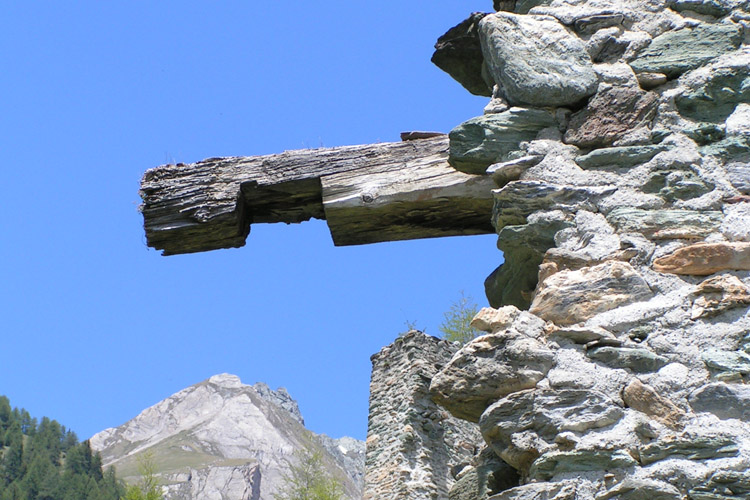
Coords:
96,326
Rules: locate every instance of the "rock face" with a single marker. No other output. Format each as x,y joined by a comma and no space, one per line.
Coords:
223,440
625,225
484,140
535,60
676,52
610,115
459,54
493,366
414,447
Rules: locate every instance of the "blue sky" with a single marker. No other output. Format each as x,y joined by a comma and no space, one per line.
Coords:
97,326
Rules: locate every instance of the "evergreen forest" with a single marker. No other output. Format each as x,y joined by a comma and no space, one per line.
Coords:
42,460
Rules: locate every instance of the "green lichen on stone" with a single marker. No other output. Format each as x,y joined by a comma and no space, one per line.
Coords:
689,447
523,247
479,142
727,361
665,224
705,133
676,52
723,485
638,360
715,100
713,8
623,156
677,184
729,148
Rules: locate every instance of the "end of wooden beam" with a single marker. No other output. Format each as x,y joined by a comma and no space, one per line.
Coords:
193,208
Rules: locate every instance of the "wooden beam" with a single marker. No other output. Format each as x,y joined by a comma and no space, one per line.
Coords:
370,193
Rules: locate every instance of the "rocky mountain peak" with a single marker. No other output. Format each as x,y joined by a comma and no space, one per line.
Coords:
281,398
226,440
225,380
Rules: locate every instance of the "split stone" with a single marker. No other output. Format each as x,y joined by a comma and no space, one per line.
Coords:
459,53
690,447
715,98
676,52
703,259
723,400
592,239
491,320
481,141
581,335
719,294
649,81
545,413
736,225
723,485
570,297
642,489
727,361
677,183
739,175
637,359
519,199
715,8
559,490
591,24
503,173
623,156
605,46
489,368
665,224
610,115
523,247
645,399
536,61
560,462
704,133
487,476
738,123
730,148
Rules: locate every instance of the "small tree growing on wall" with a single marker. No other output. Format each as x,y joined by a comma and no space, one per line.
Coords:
456,326
307,479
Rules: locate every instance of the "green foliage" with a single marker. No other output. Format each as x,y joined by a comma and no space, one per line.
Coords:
148,488
410,325
41,460
307,479
456,326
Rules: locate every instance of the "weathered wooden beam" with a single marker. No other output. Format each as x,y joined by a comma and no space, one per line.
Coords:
370,193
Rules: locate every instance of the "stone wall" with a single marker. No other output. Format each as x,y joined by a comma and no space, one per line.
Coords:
617,358
414,447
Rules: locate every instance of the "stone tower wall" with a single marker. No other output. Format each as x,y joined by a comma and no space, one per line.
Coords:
414,447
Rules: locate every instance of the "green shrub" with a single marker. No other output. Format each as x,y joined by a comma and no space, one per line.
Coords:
307,479
456,326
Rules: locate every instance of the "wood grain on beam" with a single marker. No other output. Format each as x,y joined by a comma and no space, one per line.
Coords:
377,192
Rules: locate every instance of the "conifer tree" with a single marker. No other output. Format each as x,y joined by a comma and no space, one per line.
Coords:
41,460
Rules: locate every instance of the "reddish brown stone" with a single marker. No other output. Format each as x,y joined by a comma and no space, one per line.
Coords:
719,294
703,259
645,399
609,115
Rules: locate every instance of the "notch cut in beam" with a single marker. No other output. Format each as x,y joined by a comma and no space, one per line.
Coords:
367,194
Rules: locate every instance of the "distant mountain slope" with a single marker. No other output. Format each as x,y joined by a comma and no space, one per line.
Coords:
223,440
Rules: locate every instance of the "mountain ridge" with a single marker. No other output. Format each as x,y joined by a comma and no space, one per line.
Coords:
223,432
